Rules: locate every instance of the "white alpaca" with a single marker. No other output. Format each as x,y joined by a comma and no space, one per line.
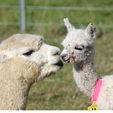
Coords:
24,59
79,51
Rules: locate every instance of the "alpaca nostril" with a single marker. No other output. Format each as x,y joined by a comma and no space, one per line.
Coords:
63,56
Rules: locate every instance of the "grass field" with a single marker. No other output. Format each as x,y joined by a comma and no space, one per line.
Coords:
60,91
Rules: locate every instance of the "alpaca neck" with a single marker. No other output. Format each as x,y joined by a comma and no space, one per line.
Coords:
85,75
19,98
22,95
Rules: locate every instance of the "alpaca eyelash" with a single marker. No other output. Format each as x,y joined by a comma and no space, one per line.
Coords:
28,53
79,48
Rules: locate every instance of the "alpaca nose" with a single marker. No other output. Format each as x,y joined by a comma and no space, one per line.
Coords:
55,51
63,56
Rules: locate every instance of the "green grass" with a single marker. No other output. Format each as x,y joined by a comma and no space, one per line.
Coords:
61,2
60,91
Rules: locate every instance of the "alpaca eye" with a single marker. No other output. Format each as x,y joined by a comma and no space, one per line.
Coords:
79,48
28,53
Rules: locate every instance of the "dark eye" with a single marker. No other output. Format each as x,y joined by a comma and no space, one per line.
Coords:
79,48
28,53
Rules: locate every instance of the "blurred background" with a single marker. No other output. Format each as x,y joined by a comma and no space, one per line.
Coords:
45,17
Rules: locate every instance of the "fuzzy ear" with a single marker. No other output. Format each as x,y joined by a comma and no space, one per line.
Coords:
68,25
91,30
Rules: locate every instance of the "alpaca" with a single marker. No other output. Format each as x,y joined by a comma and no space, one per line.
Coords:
78,50
24,59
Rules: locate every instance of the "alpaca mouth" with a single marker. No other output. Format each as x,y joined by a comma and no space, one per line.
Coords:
65,60
69,60
59,63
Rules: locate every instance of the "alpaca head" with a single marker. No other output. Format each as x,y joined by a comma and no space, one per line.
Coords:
32,50
78,43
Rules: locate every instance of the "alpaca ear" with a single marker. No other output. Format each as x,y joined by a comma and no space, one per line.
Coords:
91,30
68,25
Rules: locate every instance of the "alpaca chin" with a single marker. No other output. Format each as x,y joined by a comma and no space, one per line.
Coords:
72,61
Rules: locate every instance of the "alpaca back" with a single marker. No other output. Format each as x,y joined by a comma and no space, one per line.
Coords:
105,98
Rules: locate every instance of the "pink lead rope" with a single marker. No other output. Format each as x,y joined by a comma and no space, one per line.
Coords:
96,90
